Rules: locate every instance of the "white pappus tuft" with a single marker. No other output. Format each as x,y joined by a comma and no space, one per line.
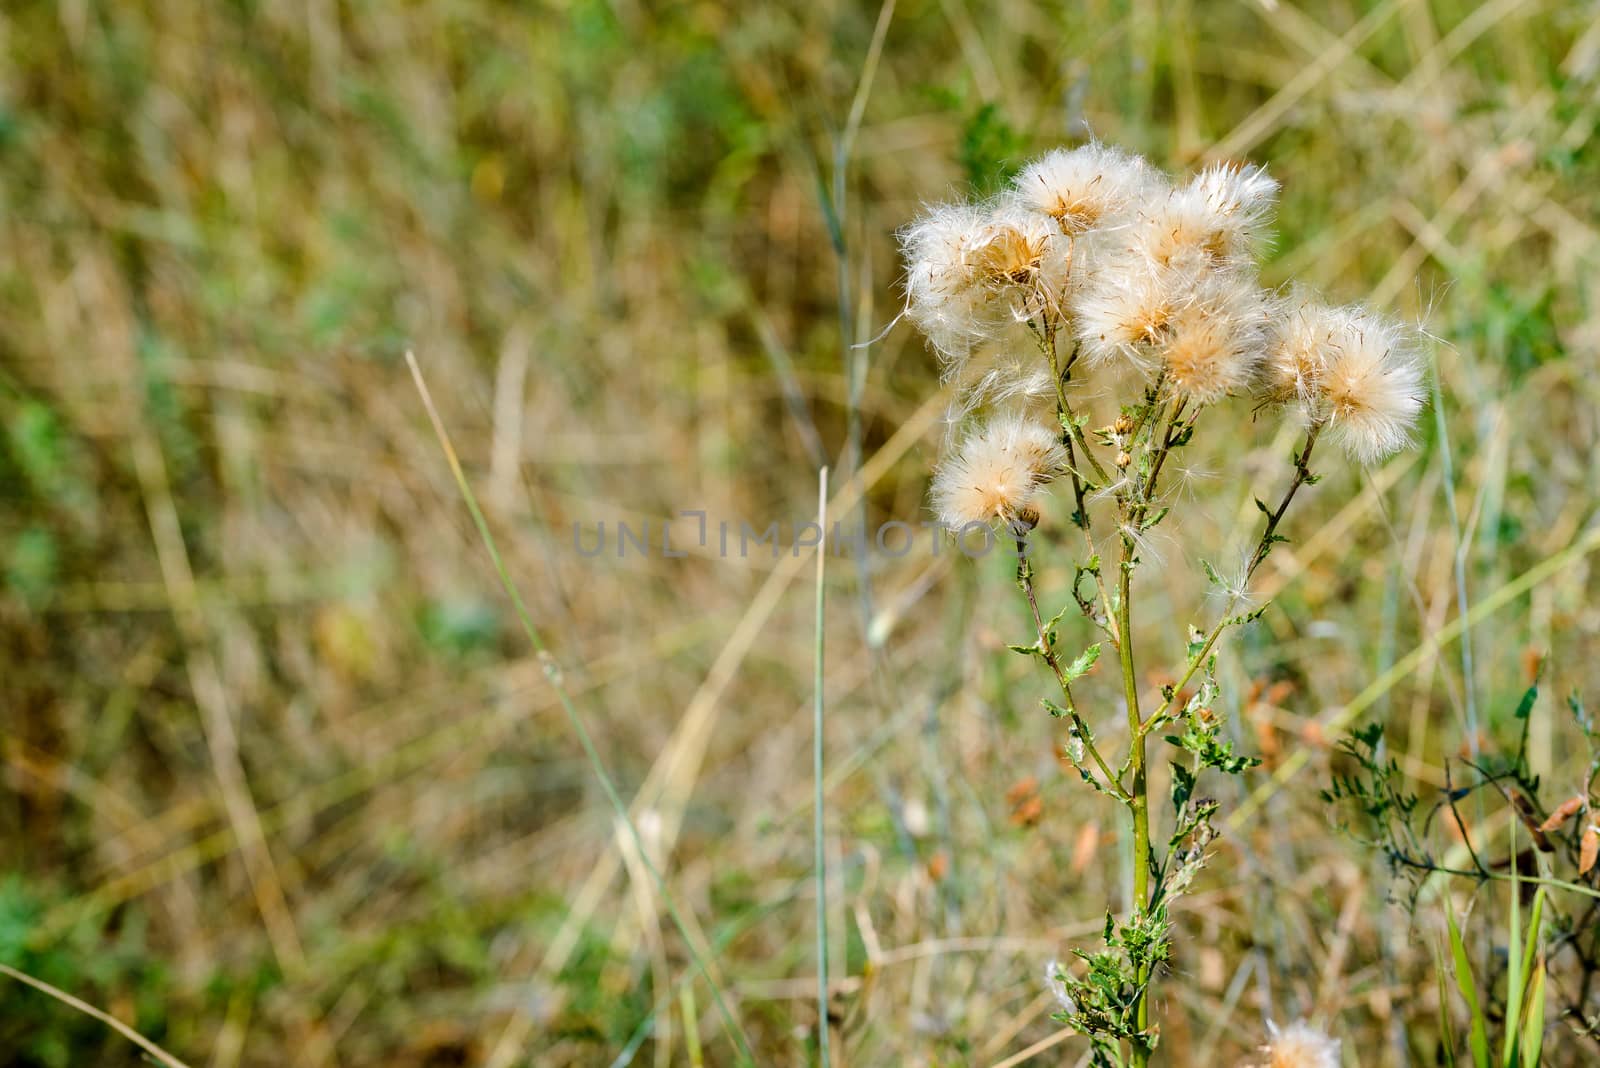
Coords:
995,473
1300,1046
1083,188
1055,980
943,295
1220,216
1372,385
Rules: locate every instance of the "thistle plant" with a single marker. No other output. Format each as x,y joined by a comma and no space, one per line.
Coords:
1094,318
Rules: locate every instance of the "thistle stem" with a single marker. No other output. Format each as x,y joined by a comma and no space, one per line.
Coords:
1047,648
1065,415
1139,789
1302,475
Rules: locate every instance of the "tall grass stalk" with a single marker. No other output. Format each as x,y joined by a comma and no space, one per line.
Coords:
552,673
821,859
89,1010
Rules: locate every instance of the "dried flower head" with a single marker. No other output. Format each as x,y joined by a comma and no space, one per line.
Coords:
1300,1046
995,472
1371,387
1011,247
1086,187
1207,326
973,268
1125,308
944,294
1217,336
1304,337
1221,215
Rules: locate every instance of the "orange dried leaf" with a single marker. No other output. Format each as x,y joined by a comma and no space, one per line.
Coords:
1564,812
1590,850
1083,851
1528,815
1028,812
1022,790
1532,663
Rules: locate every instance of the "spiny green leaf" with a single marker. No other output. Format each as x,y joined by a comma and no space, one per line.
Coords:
1182,785
1086,660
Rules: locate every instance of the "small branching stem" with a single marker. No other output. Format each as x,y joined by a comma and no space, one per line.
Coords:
1060,372
1048,652
1147,495
1302,475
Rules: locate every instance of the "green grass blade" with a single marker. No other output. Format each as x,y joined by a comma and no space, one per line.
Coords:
553,674
1524,968
1533,1021
821,863
1447,1033
1478,1036
1531,947
691,1026
1516,978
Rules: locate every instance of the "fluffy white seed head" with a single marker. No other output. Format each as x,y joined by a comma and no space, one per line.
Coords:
1125,307
944,297
1087,187
1221,215
1300,1046
1217,336
972,268
1016,247
1371,386
996,471
1247,195
1206,324
1304,336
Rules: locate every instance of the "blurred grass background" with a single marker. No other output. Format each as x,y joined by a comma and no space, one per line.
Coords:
282,782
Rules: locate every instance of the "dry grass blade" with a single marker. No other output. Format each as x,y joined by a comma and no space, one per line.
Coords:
1346,715
820,858
553,673
104,1017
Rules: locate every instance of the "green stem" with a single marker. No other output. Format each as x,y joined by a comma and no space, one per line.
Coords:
1302,475
1060,372
1047,647
1139,802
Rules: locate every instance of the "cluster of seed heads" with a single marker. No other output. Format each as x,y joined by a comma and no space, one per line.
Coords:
1122,271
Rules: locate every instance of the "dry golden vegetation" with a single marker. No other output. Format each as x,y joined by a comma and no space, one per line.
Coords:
281,779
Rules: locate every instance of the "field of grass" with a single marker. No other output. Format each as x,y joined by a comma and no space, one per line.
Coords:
282,781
